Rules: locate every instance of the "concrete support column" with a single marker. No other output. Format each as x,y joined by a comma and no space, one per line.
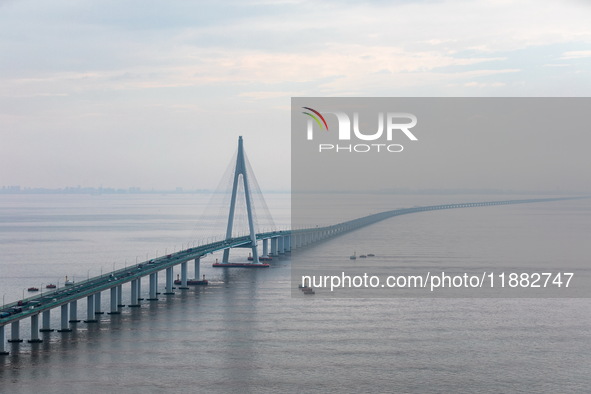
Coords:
74,312
97,304
15,332
169,281
287,243
46,326
255,253
114,299
139,289
280,245
64,327
90,310
266,247
133,297
153,286
197,268
120,296
2,351
183,285
35,330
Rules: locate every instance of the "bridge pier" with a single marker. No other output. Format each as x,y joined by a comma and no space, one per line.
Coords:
169,281
197,270
90,318
35,330
64,319
153,286
97,304
139,289
266,247
74,312
274,246
287,243
134,295
114,299
183,285
46,326
120,303
280,245
15,332
2,351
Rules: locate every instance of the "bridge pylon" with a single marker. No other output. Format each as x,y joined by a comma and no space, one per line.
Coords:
241,170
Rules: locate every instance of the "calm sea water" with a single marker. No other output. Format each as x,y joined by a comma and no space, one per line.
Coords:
247,333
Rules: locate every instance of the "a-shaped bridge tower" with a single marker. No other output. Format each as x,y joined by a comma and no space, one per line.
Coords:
241,173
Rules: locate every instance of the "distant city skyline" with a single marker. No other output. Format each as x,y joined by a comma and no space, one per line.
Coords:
17,189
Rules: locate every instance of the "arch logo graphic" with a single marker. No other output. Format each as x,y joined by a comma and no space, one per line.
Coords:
389,124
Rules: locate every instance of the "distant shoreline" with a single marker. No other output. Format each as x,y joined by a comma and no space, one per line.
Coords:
16,190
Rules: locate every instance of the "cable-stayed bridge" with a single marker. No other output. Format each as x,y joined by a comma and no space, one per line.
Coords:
129,281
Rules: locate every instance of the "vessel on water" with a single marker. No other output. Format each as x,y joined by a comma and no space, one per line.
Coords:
353,256
239,265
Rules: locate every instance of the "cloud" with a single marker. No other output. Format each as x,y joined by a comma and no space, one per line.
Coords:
576,54
484,84
131,68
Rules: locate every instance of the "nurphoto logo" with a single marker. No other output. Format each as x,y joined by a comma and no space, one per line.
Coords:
395,123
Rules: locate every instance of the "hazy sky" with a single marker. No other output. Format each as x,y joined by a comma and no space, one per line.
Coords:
155,93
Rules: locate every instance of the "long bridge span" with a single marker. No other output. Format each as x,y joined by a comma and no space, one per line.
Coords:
66,298
274,243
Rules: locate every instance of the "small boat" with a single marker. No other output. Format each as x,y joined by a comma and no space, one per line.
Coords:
32,289
308,290
362,256
68,282
240,265
353,256
50,286
370,255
